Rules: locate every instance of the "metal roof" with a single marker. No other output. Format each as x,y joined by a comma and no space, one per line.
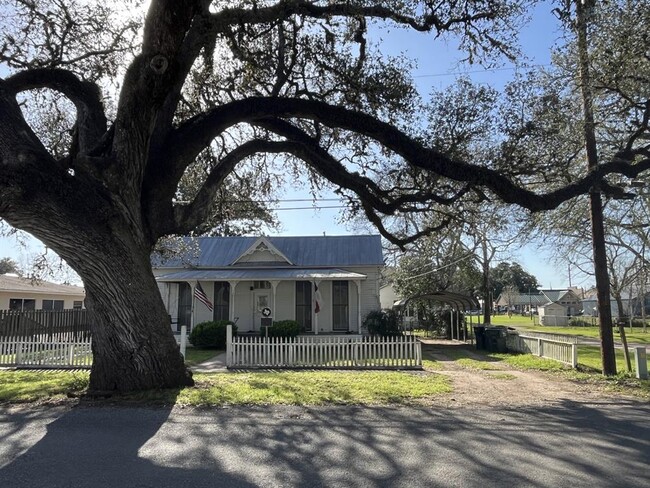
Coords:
455,299
338,251
260,275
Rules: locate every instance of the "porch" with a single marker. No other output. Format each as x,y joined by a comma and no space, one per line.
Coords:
329,301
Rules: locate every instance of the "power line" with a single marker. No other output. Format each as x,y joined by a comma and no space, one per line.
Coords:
486,70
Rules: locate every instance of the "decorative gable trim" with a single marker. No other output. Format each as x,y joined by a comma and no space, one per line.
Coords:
262,245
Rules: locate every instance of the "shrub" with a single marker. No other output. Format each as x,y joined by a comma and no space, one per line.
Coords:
284,328
211,334
382,322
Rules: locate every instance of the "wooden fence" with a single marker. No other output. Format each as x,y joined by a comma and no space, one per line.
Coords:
556,349
336,352
39,338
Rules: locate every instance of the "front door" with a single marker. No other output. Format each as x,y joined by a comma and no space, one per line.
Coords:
261,300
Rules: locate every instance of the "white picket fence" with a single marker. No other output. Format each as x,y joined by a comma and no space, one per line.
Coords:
342,352
42,352
556,349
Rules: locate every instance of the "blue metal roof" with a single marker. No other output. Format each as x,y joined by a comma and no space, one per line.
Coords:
261,274
338,251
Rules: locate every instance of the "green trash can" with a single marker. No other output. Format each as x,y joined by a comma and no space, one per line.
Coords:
495,338
479,333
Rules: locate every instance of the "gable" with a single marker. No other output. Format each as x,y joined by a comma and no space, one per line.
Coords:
262,252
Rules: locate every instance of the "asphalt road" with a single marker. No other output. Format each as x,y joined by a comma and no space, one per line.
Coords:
568,445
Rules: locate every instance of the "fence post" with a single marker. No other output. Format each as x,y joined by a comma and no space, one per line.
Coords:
71,355
19,352
229,345
574,356
641,363
183,339
539,347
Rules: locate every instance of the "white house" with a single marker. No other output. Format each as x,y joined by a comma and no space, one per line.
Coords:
326,283
23,294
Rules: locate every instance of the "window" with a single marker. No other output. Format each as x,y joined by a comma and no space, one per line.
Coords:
77,305
52,304
221,301
22,304
184,306
261,285
303,305
340,319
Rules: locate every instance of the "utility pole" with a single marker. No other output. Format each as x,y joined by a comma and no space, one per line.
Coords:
584,9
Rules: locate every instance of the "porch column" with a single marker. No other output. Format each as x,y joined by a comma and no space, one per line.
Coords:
358,283
231,300
274,286
192,288
313,306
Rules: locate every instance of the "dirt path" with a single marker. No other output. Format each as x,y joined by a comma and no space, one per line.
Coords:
502,385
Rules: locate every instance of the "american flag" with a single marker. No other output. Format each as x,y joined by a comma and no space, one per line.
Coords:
200,295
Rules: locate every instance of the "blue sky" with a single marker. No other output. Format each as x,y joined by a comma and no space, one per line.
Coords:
438,66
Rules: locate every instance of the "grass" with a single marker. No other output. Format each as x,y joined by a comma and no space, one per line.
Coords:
502,376
589,356
637,336
528,361
313,388
194,356
249,388
31,386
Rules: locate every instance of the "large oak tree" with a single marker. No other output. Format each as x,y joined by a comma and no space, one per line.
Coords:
241,81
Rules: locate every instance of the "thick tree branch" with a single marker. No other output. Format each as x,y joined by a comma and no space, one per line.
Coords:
186,217
194,135
85,95
288,8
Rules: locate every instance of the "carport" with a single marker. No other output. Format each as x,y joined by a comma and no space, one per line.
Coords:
456,301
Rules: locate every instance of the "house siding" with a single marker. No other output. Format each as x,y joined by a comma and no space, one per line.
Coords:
68,300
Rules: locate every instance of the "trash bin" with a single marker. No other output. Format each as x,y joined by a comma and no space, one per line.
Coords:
495,338
479,333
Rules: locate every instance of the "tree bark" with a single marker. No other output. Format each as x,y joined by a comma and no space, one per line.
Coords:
133,346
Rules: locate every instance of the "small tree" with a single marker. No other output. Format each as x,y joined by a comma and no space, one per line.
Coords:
8,265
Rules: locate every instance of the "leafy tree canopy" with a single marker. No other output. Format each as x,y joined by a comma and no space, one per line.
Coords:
506,274
8,265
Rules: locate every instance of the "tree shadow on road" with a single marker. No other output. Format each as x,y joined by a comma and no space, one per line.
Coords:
91,446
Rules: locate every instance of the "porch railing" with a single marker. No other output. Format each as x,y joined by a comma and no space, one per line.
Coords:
336,352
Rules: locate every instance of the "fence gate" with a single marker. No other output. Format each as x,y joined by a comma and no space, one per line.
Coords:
46,339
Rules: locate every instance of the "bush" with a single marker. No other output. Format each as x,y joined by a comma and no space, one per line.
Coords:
382,322
211,335
284,328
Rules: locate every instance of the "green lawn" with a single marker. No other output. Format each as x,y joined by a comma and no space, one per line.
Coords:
194,356
29,386
248,388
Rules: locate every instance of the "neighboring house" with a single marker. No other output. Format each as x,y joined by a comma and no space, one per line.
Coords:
556,303
18,293
521,302
590,305
560,304
326,283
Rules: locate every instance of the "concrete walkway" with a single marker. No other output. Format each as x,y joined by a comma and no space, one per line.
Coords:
212,365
